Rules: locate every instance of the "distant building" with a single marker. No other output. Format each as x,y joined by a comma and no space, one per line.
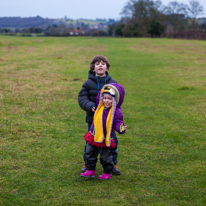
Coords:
76,32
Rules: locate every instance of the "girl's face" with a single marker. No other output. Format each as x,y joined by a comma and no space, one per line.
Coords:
107,101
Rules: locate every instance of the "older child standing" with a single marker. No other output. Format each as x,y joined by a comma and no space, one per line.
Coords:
107,118
98,76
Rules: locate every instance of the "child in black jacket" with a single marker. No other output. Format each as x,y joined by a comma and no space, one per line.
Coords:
98,76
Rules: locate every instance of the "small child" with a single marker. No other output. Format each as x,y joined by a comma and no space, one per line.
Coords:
98,76
107,118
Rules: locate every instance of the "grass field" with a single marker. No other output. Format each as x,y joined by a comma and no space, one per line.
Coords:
162,154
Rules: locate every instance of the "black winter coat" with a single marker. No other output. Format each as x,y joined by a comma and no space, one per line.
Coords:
87,95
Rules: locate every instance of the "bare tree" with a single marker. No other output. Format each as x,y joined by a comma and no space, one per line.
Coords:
175,13
141,8
142,12
128,10
193,10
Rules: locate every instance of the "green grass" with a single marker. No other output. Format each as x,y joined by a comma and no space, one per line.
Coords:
162,154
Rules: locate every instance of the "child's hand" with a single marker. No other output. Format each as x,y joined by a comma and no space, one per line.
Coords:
93,109
123,128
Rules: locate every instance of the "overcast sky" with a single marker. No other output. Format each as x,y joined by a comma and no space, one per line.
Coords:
75,9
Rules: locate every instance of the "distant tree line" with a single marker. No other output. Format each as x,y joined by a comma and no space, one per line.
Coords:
148,17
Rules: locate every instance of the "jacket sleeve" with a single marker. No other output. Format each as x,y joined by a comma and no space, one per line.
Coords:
118,120
98,99
83,98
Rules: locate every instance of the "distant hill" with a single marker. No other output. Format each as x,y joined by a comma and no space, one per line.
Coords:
26,22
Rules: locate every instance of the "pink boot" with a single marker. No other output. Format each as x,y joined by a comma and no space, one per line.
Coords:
105,176
89,173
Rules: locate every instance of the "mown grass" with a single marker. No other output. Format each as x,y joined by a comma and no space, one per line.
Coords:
162,154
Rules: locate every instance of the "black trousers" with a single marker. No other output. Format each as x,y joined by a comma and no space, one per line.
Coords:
106,158
113,150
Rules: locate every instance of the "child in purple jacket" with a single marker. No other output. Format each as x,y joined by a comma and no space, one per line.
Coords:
107,118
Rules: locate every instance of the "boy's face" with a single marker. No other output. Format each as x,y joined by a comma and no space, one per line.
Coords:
100,68
107,100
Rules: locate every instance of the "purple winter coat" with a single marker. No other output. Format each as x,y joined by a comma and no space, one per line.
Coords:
118,116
